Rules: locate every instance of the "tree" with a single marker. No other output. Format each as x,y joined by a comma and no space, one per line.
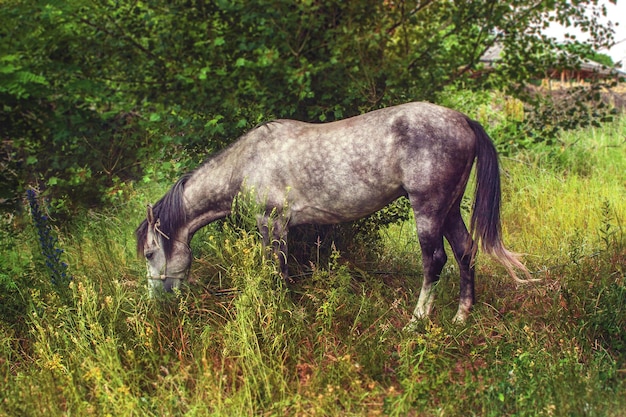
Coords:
91,86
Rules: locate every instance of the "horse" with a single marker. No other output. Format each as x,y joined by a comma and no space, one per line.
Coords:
327,173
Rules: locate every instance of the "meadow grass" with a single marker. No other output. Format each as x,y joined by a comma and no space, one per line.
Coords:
238,341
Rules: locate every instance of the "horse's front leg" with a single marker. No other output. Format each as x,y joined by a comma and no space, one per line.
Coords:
278,240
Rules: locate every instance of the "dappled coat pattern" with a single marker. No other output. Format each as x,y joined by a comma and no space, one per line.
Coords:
341,171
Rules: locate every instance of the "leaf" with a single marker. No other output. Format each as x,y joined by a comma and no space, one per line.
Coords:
26,77
203,73
8,69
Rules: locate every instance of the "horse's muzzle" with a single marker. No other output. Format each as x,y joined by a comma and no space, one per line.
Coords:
167,284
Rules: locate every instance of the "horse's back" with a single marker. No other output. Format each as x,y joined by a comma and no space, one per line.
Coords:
405,126
343,170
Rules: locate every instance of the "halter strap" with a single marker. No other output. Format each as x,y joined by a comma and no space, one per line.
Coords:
162,277
156,227
157,224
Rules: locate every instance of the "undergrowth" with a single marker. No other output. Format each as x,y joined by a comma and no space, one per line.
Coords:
239,341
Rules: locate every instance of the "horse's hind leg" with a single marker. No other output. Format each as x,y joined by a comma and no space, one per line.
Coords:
429,230
461,242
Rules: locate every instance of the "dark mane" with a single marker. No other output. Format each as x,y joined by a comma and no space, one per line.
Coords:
170,210
266,124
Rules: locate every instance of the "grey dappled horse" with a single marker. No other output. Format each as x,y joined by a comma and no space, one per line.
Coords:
341,171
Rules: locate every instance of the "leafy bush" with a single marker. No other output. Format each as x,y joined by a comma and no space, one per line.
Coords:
536,121
93,93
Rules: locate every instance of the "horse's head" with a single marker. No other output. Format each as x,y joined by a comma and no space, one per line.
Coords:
167,257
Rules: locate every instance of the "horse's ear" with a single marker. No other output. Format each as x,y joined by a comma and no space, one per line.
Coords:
150,215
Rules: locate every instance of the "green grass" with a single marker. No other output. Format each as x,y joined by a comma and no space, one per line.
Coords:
239,342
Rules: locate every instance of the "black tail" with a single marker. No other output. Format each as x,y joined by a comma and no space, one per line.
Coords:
485,224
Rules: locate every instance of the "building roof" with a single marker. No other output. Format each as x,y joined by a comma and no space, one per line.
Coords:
494,54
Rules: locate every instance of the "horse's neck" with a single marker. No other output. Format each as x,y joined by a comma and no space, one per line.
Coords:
208,194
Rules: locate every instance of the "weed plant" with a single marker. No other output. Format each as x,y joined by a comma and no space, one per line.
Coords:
52,254
239,341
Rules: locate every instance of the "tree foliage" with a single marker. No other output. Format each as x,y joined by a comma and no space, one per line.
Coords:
91,88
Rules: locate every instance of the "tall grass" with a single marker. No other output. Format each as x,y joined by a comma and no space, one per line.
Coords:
238,341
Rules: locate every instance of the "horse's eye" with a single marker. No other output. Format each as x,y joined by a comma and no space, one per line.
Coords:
149,256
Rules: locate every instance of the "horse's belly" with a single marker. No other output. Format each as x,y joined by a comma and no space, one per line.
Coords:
350,205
